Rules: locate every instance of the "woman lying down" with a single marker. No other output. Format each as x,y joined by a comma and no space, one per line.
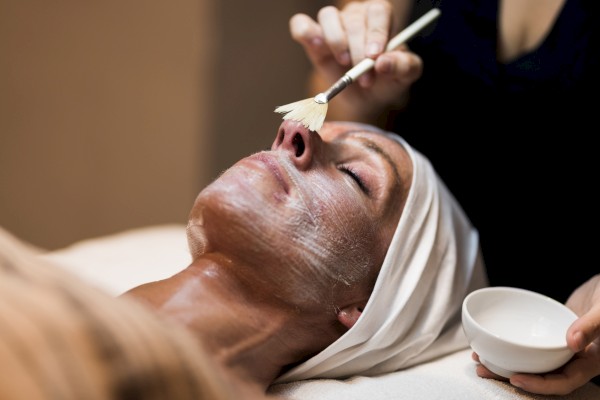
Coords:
331,255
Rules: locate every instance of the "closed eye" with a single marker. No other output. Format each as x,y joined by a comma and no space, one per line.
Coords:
355,176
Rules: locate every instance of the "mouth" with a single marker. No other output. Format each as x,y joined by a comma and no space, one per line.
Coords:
274,168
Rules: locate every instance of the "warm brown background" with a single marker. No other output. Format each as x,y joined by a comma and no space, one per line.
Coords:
115,113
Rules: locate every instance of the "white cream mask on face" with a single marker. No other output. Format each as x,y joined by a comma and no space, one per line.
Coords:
413,314
309,228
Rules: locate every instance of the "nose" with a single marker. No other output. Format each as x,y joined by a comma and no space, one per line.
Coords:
298,141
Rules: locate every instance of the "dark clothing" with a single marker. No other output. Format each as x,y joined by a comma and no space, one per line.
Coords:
514,142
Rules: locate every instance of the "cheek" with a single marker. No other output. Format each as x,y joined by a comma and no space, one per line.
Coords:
343,210
320,237
341,246
247,218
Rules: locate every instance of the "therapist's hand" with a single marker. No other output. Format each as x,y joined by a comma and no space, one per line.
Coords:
583,337
340,38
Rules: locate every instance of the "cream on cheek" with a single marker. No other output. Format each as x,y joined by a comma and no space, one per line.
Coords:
232,212
336,247
315,237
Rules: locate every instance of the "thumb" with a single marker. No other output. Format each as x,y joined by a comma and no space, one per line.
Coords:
584,330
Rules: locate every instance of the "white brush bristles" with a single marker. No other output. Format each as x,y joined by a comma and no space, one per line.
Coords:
308,112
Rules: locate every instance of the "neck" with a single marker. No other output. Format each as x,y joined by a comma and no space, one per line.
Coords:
252,335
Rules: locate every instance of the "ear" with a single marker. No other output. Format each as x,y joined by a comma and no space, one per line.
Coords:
350,314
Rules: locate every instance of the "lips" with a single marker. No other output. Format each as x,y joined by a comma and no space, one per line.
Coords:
269,161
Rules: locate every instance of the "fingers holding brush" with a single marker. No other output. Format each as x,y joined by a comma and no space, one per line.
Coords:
344,36
394,73
340,38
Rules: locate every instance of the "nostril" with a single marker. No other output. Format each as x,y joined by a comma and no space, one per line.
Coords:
280,137
298,144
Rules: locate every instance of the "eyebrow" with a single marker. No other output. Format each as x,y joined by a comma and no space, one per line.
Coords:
375,148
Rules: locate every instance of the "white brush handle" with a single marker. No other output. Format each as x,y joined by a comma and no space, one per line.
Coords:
396,41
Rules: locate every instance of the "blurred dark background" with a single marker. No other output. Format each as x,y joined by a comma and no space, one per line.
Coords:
114,114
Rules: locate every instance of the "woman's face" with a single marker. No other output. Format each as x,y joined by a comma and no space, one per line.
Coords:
314,215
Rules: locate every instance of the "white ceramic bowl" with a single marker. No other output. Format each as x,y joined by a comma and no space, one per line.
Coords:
516,330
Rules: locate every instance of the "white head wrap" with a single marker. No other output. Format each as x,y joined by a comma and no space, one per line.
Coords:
413,313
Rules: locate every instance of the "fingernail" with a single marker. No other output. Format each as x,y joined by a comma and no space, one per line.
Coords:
373,49
344,58
316,42
579,341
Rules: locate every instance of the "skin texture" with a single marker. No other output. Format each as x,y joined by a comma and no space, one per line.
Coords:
342,35
286,248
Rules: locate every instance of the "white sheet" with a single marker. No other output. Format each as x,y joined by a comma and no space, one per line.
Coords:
118,262
121,261
449,378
